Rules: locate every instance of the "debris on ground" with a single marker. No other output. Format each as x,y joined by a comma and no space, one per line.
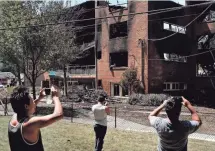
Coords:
78,93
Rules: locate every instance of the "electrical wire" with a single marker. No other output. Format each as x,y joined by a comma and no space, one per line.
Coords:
169,35
196,54
82,27
159,39
62,13
138,13
93,25
180,7
167,18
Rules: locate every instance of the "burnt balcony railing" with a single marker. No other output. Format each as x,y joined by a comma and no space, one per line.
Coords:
82,70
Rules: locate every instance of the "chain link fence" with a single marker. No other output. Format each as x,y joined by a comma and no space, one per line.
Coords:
124,116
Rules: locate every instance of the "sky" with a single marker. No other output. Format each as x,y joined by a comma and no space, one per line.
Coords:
75,2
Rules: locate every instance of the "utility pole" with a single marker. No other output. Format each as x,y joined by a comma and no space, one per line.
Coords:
95,47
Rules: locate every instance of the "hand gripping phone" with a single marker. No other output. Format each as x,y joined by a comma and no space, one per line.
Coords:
46,86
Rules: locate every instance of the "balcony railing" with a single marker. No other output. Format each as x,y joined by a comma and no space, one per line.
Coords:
82,70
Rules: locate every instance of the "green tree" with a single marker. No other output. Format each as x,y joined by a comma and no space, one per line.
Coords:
62,43
130,82
27,47
36,49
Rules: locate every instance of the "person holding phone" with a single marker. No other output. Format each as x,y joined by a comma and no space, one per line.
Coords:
24,128
100,111
172,132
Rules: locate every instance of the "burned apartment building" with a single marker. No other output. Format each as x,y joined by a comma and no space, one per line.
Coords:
204,30
136,40
124,44
82,70
130,39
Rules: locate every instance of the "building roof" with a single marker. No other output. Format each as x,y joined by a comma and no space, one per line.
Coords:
58,73
7,75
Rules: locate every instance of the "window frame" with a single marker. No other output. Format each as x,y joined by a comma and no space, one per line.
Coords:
169,86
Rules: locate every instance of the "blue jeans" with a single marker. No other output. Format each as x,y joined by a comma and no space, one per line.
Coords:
100,132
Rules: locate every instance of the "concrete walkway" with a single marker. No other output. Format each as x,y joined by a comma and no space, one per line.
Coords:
132,126
128,126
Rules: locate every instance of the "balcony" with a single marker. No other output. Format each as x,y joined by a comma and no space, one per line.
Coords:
118,44
87,71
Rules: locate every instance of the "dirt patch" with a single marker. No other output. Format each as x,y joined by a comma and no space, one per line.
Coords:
139,114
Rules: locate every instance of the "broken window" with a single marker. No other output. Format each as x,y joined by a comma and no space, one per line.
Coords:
118,30
119,3
174,86
124,92
119,59
174,57
205,70
100,83
99,28
174,28
116,89
99,55
210,16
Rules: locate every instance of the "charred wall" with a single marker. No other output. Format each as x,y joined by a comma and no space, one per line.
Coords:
163,71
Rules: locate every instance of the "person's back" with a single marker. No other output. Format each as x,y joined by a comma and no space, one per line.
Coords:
173,134
17,140
171,137
100,114
100,111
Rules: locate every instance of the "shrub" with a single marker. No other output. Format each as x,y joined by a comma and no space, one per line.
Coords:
147,99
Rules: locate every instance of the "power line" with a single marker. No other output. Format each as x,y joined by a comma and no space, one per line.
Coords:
152,20
166,18
87,26
93,33
159,39
92,25
196,54
62,13
138,13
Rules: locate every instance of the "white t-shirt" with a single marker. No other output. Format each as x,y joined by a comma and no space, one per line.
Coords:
100,114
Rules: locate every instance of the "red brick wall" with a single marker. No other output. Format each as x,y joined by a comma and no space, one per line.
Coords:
137,30
104,72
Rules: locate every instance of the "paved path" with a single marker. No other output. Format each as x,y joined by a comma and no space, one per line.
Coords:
131,126
128,126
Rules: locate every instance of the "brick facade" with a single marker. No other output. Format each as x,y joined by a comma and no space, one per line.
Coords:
134,44
104,73
148,56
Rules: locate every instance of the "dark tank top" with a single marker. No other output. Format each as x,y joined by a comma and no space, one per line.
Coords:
17,141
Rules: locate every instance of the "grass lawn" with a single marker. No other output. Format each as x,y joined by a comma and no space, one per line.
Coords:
66,136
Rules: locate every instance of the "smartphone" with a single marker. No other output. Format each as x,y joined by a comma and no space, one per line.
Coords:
46,87
178,98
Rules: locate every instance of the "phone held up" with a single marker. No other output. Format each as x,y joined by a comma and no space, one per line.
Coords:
46,86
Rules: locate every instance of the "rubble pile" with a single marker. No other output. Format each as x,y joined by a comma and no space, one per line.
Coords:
78,93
